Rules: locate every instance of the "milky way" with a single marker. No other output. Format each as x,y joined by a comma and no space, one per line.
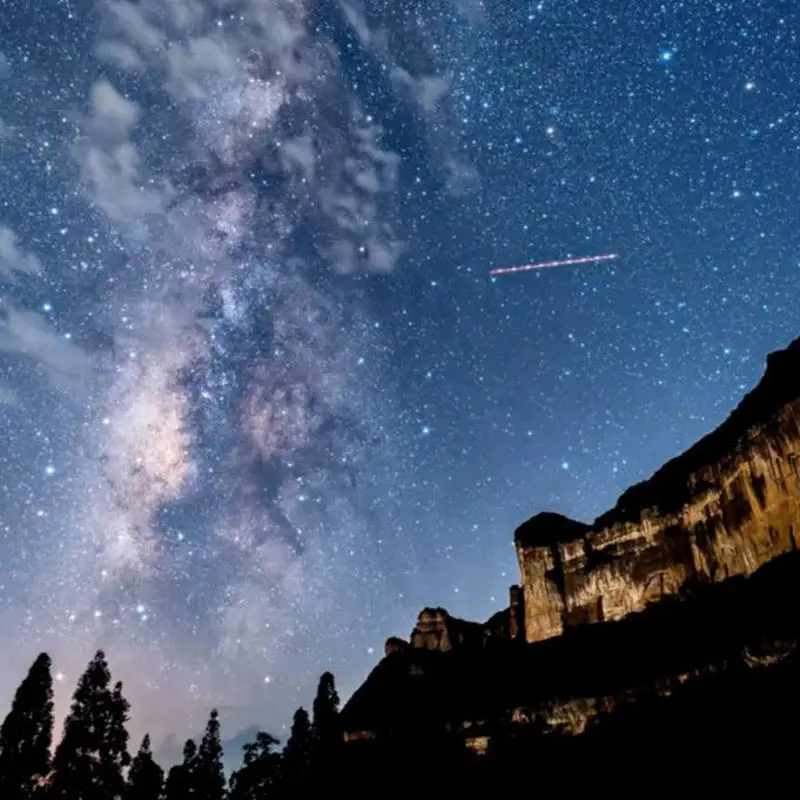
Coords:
260,399
221,395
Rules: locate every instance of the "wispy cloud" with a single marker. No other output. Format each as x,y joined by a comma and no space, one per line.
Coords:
423,83
426,90
13,258
230,372
7,396
26,333
110,165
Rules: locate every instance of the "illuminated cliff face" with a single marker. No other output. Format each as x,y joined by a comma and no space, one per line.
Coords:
724,508
692,521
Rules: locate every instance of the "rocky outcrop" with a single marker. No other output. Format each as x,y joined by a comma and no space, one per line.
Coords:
568,683
667,565
725,507
437,630
394,644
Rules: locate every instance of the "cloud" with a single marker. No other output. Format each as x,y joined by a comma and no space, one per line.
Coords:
110,166
7,396
13,259
27,334
362,237
110,111
426,90
473,11
195,66
184,42
416,75
122,55
231,406
461,177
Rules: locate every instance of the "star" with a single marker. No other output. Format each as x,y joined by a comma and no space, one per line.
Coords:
250,369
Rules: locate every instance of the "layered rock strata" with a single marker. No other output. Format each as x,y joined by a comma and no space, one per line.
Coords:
728,507
725,507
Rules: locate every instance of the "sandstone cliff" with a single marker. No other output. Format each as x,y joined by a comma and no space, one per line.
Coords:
722,510
725,507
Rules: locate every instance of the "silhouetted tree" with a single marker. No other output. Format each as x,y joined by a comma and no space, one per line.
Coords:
297,754
327,735
326,709
146,778
89,761
181,779
117,756
260,772
209,773
27,733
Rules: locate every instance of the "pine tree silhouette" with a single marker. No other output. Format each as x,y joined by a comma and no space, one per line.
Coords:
89,761
326,731
260,771
297,754
209,771
181,780
146,778
117,757
27,733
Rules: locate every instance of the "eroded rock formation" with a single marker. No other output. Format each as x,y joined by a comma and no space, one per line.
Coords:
727,508
438,630
723,508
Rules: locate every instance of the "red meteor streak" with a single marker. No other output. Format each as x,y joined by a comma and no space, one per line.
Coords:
546,264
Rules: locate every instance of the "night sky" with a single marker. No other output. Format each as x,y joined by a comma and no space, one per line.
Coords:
260,400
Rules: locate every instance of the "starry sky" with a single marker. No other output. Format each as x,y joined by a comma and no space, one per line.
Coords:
260,400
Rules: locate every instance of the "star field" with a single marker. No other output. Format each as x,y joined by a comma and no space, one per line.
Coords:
260,400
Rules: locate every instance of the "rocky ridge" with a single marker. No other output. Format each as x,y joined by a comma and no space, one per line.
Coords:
724,509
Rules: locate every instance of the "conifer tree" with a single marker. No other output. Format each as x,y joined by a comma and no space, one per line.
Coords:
260,771
325,728
181,779
27,732
297,754
209,770
146,778
117,757
89,761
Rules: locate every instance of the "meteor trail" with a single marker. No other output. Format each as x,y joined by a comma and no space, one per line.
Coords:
547,264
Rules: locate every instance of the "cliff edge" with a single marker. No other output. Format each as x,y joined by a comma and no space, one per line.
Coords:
722,511
725,507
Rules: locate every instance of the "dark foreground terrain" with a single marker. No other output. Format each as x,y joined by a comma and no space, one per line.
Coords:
706,693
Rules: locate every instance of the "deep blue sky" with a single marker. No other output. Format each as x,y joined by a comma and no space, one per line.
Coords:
261,400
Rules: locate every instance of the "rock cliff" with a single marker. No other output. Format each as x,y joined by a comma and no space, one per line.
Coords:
722,510
725,507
